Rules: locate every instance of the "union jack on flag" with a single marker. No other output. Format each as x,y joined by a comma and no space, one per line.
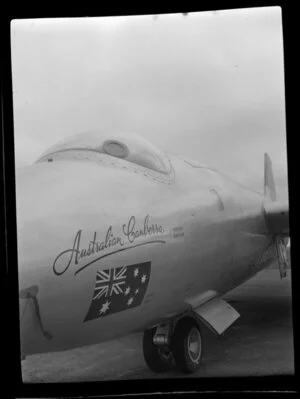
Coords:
109,281
118,289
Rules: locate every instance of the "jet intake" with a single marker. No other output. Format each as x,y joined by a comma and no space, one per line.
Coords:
277,217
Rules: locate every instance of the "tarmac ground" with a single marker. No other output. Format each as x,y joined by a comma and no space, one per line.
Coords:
259,343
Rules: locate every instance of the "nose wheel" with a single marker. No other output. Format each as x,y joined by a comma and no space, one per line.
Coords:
187,346
184,351
157,358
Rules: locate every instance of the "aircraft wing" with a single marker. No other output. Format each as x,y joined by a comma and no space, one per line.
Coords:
277,217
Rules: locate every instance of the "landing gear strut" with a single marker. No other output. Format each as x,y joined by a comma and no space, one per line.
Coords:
181,346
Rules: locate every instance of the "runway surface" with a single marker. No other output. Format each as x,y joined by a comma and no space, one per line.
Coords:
259,343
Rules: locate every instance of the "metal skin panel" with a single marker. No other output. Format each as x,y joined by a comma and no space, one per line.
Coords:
194,246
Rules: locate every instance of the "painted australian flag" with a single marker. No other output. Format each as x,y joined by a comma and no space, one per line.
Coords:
118,289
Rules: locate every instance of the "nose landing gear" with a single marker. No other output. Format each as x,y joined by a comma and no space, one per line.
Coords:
187,345
158,357
180,346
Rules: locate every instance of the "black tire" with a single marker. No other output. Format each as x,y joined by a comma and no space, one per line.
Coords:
156,359
186,336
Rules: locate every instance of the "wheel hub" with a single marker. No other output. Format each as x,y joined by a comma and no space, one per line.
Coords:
194,345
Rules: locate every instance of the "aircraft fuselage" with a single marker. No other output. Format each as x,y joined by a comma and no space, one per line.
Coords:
195,232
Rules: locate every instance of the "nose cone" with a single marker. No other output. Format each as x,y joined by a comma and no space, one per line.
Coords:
35,213
46,213
54,201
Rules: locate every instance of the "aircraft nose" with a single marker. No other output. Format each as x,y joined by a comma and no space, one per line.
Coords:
37,225
33,221
46,208
52,203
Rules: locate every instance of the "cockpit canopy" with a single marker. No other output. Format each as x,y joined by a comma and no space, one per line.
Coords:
131,148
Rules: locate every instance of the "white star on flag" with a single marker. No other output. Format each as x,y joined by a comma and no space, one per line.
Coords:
127,291
137,291
136,272
130,300
105,307
144,278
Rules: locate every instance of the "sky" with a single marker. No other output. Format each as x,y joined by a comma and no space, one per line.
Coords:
208,86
